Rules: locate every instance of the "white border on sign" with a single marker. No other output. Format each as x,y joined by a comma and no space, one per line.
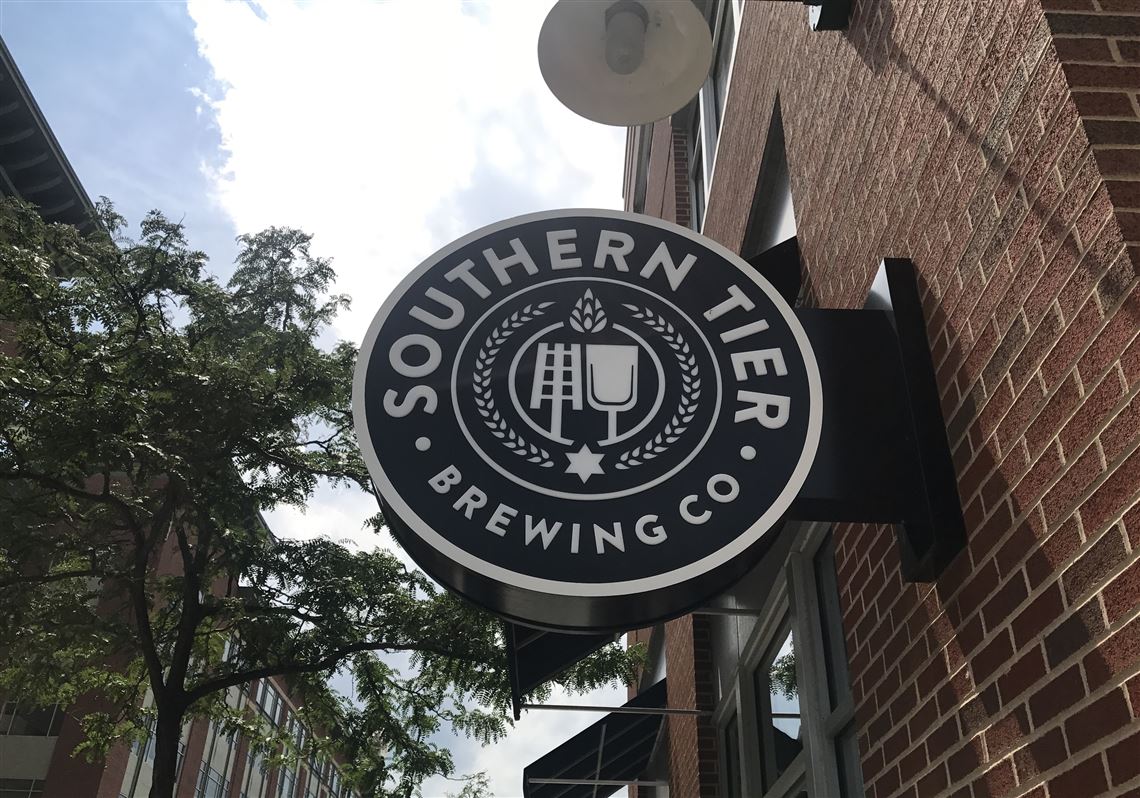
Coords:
733,548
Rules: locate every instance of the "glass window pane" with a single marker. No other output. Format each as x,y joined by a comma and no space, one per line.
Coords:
56,721
33,721
7,714
721,69
730,739
778,708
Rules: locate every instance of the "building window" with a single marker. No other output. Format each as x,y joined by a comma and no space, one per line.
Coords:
255,775
21,788
696,175
730,745
722,64
286,782
30,721
708,111
639,141
776,693
786,718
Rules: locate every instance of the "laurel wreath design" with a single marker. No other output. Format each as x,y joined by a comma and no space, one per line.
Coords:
485,400
690,391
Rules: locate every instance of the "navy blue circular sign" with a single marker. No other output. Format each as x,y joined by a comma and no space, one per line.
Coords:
586,420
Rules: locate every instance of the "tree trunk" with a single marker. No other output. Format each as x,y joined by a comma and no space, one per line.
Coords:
167,736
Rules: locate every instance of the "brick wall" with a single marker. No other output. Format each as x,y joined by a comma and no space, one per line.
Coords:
997,144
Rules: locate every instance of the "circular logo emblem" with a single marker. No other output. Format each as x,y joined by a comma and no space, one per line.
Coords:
586,419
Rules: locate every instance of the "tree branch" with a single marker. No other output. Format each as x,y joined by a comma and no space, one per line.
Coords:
324,663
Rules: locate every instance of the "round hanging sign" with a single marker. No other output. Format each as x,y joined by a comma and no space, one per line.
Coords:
586,420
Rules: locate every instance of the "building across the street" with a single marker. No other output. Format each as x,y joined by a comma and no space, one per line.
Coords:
36,759
993,143
37,743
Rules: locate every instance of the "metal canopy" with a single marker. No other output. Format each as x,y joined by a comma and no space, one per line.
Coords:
602,758
535,656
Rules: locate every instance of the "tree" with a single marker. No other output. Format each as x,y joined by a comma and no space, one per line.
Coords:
149,414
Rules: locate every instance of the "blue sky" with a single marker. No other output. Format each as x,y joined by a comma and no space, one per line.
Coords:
114,80
386,129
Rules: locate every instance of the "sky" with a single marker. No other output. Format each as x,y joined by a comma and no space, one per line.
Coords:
385,129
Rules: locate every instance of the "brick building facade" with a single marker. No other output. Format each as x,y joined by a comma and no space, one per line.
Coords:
996,143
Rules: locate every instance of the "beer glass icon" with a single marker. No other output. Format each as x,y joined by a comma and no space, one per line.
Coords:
611,381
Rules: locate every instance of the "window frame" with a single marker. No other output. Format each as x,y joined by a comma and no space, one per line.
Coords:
794,599
704,130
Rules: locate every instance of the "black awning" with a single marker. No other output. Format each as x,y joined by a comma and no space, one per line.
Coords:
535,656
616,748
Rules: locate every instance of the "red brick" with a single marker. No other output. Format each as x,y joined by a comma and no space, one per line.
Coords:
1130,363
1122,595
1062,498
895,744
975,592
1007,733
1083,50
977,713
888,782
1133,688
996,782
1115,656
912,764
1103,76
1021,675
922,719
1124,759
1091,571
1132,526
965,760
1005,602
1074,633
1097,408
1084,780
1120,434
1124,193
933,782
1103,103
939,742
1099,719
1114,495
1015,549
1117,162
1041,612
996,654
1041,755
1056,696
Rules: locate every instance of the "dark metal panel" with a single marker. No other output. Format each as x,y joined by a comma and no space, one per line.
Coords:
535,656
617,747
780,265
883,455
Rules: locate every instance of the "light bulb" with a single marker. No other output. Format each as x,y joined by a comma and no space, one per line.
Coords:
626,23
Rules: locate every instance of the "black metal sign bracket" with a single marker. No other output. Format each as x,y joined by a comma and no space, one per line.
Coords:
883,454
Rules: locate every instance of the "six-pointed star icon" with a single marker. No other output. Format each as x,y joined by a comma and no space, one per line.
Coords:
584,463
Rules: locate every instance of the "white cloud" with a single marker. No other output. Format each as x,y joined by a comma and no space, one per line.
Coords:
387,130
